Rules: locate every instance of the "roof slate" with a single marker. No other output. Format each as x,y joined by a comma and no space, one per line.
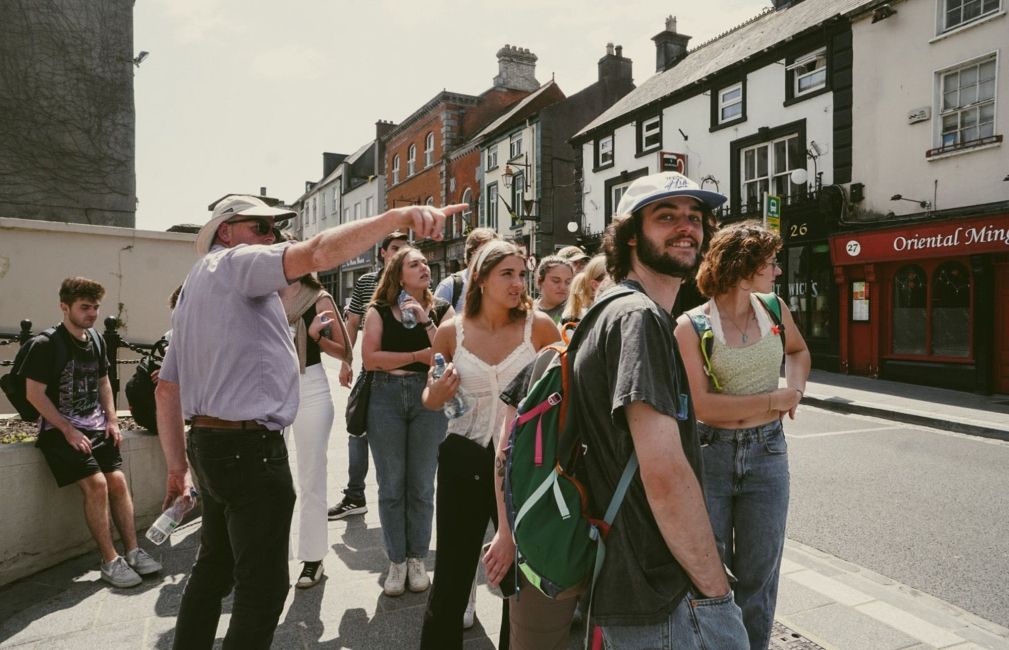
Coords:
763,31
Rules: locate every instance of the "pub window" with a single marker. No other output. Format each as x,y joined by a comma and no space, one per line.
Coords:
767,167
931,310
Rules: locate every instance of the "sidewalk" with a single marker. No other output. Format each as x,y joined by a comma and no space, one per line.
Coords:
823,600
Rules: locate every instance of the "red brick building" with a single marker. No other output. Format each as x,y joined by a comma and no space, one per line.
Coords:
429,159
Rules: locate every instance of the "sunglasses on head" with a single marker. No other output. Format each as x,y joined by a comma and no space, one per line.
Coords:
261,226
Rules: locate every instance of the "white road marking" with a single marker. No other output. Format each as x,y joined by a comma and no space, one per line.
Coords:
837,591
842,433
910,624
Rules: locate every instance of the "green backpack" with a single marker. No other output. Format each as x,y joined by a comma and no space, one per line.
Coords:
702,325
559,544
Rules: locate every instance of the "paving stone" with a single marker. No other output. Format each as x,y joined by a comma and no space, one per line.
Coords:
847,629
793,598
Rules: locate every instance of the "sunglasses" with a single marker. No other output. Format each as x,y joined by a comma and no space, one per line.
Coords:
260,226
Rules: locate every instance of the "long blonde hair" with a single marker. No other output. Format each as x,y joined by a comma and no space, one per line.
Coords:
582,295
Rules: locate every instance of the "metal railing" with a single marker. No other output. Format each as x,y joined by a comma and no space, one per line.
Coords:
113,343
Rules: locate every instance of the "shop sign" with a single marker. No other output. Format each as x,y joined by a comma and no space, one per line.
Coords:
926,240
363,259
673,162
772,212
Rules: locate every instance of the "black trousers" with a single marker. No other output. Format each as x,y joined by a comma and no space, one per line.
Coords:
248,499
465,503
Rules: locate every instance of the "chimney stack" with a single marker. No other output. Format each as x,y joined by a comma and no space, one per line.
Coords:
262,190
516,69
670,47
614,66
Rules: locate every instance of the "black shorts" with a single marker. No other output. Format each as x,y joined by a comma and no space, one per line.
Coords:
70,465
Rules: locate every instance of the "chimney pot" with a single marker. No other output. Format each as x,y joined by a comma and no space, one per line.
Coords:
609,48
620,50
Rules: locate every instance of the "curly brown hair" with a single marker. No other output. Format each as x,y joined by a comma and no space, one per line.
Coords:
736,253
623,228
78,288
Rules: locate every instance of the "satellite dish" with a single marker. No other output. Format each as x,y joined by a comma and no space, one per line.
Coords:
799,176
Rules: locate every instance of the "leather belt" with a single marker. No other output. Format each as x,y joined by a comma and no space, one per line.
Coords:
208,422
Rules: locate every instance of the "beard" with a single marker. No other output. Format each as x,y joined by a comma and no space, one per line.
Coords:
651,256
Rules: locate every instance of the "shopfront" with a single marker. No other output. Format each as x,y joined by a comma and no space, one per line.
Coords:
927,303
807,282
349,272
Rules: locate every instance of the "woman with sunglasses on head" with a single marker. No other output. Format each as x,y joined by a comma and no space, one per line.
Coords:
317,330
403,435
496,337
584,289
553,281
739,409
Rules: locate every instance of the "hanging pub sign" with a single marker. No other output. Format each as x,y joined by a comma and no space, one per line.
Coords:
924,240
673,162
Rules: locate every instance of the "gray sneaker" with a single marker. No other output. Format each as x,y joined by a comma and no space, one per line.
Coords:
119,574
141,562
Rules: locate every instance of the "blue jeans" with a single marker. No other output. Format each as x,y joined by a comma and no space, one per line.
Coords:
357,468
746,488
696,623
404,438
248,498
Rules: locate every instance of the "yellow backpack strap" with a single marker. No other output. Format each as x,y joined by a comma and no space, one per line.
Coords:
702,326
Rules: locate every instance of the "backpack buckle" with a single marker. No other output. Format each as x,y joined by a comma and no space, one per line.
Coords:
554,399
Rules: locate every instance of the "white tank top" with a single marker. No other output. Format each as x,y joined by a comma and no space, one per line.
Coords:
483,384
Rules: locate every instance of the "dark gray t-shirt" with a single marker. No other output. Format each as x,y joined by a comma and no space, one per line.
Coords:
628,355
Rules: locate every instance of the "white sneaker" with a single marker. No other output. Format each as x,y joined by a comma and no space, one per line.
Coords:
417,574
141,562
119,574
395,582
469,616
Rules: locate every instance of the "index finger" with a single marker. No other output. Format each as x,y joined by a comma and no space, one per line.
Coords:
449,210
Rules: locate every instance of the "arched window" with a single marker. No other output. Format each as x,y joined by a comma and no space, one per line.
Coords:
411,160
429,150
395,169
909,311
429,201
950,310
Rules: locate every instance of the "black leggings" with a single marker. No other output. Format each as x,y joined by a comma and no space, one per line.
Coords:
465,503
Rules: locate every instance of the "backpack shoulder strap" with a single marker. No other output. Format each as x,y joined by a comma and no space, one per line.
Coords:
702,326
772,304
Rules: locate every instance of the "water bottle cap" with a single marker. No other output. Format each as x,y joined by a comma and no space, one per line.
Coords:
439,358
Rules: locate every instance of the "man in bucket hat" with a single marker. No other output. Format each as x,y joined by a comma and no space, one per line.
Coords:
232,370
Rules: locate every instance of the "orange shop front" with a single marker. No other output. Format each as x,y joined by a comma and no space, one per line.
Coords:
926,303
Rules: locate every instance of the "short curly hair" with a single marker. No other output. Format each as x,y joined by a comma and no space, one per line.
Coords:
78,288
736,253
623,228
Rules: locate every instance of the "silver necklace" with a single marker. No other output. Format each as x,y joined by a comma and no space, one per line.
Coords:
741,331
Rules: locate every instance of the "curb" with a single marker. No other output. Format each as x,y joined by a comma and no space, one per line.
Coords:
839,405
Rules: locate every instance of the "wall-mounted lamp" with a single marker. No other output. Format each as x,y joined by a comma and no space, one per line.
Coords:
509,175
921,204
882,12
710,178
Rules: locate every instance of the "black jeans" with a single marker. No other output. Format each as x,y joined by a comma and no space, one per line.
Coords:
248,498
465,503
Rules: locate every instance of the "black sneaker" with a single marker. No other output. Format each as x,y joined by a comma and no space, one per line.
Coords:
347,508
310,576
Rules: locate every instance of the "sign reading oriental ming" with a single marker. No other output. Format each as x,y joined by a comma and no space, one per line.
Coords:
925,240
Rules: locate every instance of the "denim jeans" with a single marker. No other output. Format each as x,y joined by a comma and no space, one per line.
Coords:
746,488
695,624
248,499
357,468
404,438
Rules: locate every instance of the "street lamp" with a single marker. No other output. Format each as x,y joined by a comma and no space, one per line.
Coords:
921,204
509,175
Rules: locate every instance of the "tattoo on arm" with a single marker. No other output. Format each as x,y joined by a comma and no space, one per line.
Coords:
499,464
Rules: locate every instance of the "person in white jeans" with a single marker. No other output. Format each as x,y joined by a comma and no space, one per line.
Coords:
317,328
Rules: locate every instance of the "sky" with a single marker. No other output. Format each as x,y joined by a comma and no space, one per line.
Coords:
241,94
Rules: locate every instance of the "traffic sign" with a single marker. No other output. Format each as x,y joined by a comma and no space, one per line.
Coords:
531,263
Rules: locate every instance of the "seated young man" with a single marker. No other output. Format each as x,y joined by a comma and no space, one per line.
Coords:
66,379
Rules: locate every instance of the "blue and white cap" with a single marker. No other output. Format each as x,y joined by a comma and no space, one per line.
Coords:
649,189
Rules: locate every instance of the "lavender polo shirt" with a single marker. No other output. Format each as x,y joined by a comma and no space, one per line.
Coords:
232,354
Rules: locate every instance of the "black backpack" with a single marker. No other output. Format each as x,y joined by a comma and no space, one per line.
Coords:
13,383
456,287
140,389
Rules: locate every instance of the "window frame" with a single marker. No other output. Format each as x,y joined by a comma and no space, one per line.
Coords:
491,202
429,149
721,104
771,176
598,152
929,267
805,59
515,145
643,133
976,106
943,11
518,190
395,169
411,160
464,218
490,161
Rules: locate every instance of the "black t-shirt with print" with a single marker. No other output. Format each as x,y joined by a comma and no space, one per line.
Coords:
73,389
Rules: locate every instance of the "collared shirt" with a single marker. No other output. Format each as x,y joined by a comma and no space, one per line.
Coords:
232,353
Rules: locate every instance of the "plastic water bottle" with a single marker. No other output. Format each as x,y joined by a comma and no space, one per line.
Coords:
169,520
457,405
409,319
